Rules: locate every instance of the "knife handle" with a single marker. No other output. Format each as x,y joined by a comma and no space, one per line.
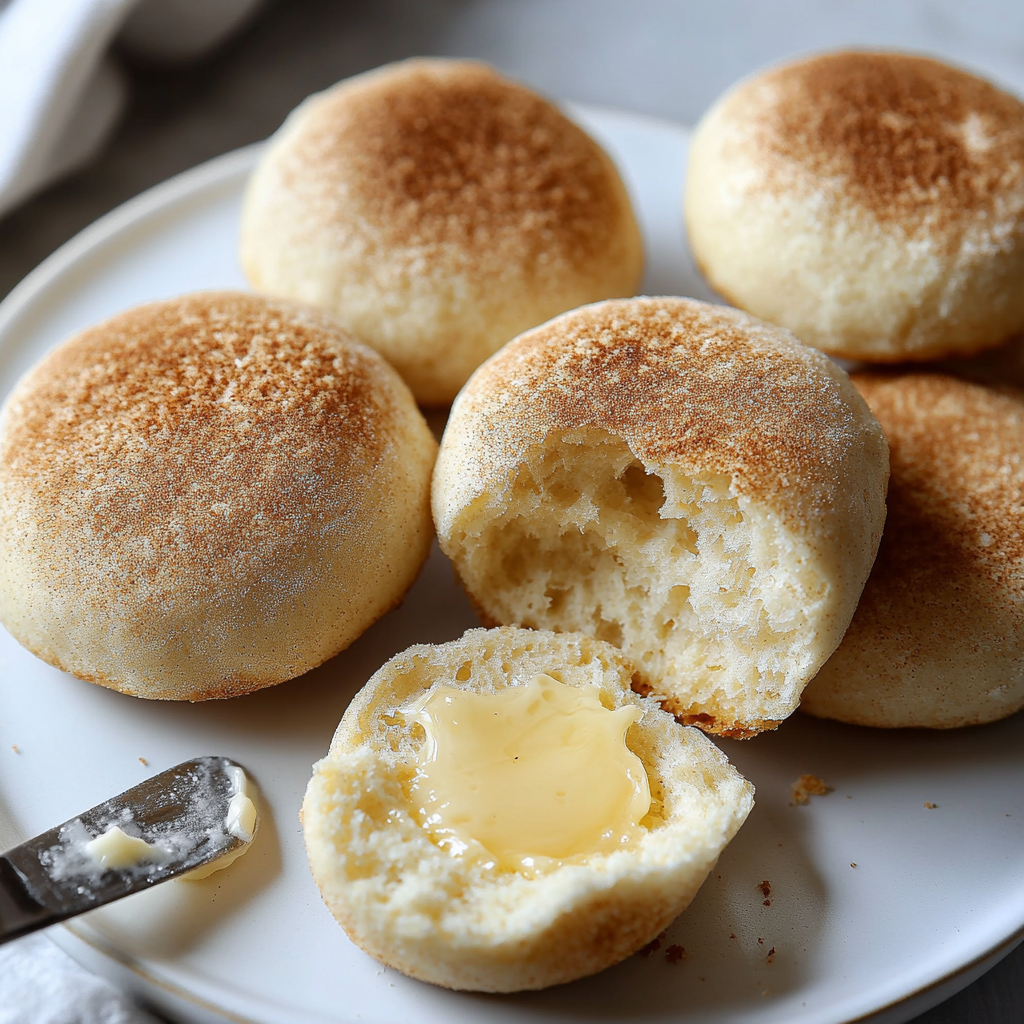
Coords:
20,912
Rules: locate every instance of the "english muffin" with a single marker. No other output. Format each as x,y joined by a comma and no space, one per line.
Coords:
938,638
414,862
995,366
871,202
207,495
438,210
688,483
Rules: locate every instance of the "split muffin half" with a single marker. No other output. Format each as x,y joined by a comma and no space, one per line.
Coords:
503,812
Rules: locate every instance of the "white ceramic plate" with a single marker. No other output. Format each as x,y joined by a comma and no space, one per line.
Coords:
936,896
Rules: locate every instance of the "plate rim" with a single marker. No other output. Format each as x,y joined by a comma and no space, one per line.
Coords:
131,213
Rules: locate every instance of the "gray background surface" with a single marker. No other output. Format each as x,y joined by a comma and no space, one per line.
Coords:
668,59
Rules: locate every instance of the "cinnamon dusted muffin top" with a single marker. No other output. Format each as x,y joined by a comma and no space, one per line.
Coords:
909,138
207,495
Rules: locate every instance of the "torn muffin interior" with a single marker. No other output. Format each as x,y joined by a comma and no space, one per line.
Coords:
417,895
714,600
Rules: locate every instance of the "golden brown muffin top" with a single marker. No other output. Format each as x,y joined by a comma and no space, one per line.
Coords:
707,388
956,490
448,154
195,432
906,137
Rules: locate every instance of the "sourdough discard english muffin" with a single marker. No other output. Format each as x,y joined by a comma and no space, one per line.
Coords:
1002,366
438,209
689,483
460,921
938,638
207,495
871,202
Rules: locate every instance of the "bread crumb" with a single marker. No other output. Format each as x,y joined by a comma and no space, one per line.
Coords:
15,748
674,954
652,947
732,935
760,942
807,786
142,760
770,958
930,805
766,891
853,864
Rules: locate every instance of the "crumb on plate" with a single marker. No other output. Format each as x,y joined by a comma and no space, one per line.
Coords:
807,786
652,947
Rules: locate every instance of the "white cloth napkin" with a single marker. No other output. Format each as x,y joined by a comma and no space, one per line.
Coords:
40,984
60,92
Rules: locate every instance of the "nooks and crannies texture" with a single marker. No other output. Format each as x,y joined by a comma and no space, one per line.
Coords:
872,203
681,480
459,922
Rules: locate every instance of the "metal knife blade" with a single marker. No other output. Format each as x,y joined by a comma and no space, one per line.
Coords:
181,813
